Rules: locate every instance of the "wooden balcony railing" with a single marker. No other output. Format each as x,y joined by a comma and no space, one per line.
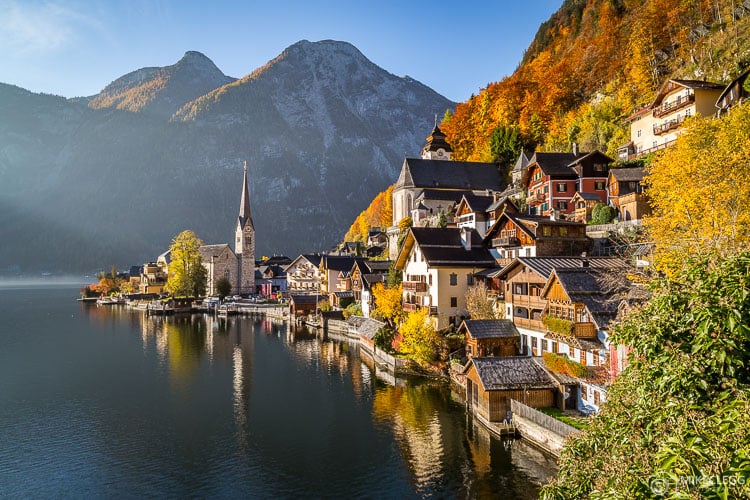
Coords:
414,286
584,330
506,241
665,127
536,198
529,301
411,307
531,324
672,106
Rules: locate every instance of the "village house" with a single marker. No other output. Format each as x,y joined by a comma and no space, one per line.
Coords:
552,179
490,337
473,212
515,235
335,279
363,268
734,93
625,192
270,280
438,266
367,300
153,278
434,184
582,303
657,125
303,274
492,382
583,204
519,169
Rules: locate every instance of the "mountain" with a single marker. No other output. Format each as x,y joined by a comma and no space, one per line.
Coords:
110,180
162,91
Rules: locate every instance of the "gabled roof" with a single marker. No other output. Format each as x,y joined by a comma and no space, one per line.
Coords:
208,251
628,174
527,223
555,165
477,203
366,327
489,328
341,263
543,266
516,372
312,258
586,196
302,298
443,247
589,286
378,265
501,200
453,195
740,79
368,280
590,156
671,85
442,174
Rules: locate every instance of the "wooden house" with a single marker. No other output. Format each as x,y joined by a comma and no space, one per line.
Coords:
584,204
471,212
625,192
490,337
734,93
492,382
153,278
550,182
304,304
515,235
335,276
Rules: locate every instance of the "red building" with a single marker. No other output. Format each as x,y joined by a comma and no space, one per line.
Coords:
552,179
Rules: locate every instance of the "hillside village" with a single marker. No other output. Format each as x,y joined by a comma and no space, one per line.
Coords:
556,283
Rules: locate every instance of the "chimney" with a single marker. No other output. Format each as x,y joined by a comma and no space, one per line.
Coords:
575,149
584,260
466,238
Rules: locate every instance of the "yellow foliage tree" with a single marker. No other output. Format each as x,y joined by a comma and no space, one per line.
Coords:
699,190
378,214
187,276
388,303
419,340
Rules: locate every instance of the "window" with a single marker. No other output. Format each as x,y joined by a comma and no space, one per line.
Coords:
599,185
469,279
596,358
454,301
638,133
563,231
597,397
544,344
429,279
546,189
561,187
598,167
534,342
562,205
546,231
584,391
454,279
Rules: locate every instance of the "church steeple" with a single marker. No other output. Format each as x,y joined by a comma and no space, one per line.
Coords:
244,243
437,148
245,213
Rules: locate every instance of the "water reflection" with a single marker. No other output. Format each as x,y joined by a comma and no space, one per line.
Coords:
297,399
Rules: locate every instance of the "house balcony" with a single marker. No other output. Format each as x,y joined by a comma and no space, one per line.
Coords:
665,127
675,105
536,198
408,307
584,330
530,324
414,286
529,302
506,241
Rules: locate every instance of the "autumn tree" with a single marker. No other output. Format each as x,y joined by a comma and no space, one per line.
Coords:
681,410
699,190
479,303
187,276
419,340
387,304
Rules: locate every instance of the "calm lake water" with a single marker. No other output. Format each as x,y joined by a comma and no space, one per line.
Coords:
104,401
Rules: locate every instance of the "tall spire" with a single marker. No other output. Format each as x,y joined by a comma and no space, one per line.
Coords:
245,214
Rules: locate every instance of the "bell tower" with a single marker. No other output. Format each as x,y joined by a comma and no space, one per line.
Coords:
244,243
436,148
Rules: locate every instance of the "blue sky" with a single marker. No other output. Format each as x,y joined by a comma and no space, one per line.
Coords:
74,48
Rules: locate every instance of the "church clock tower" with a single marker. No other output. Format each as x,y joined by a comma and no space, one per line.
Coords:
244,243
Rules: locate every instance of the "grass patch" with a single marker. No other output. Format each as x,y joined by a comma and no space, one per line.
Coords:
577,422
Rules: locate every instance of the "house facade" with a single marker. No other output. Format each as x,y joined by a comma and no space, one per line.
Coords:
657,125
438,266
626,193
303,274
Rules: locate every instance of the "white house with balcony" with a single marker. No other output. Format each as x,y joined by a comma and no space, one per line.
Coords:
657,125
438,266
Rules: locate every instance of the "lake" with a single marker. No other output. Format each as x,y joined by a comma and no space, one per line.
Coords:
105,401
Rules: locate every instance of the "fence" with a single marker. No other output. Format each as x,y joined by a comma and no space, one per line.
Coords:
540,419
619,226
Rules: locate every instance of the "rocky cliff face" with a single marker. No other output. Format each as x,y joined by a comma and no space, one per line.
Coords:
322,128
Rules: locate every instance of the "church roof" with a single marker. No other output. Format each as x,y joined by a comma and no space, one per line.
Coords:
445,174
